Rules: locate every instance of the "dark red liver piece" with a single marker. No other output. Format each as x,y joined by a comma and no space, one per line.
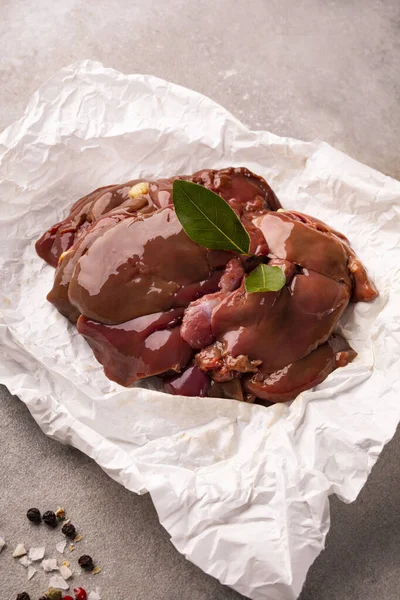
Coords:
150,301
245,191
287,383
139,348
192,382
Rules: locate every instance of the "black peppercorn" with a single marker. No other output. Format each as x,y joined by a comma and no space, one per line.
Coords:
50,518
34,515
86,562
69,530
23,596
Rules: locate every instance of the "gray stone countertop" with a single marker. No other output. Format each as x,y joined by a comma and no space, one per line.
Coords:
311,69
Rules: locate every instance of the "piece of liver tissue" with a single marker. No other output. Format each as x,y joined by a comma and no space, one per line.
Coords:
150,301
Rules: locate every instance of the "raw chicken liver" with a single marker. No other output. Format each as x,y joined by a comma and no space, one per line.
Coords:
150,301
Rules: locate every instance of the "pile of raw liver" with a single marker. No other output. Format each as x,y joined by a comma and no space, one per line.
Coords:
150,301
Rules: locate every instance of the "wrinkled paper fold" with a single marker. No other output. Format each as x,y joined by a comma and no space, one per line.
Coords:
242,489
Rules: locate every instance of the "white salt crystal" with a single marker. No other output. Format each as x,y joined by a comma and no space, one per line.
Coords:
58,582
94,595
31,572
37,553
25,562
60,547
49,564
19,551
65,572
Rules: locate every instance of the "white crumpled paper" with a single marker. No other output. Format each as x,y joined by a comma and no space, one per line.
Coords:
242,489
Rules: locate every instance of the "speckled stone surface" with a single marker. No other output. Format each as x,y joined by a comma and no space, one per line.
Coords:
310,69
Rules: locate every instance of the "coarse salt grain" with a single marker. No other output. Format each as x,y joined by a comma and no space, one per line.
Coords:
31,572
49,564
19,551
59,583
2,543
94,595
60,546
25,562
36,553
65,572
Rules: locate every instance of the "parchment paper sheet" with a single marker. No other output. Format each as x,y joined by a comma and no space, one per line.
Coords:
242,489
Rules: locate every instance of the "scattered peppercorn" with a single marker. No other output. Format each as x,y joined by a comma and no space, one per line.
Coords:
80,594
53,594
69,530
50,518
34,515
23,596
86,562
